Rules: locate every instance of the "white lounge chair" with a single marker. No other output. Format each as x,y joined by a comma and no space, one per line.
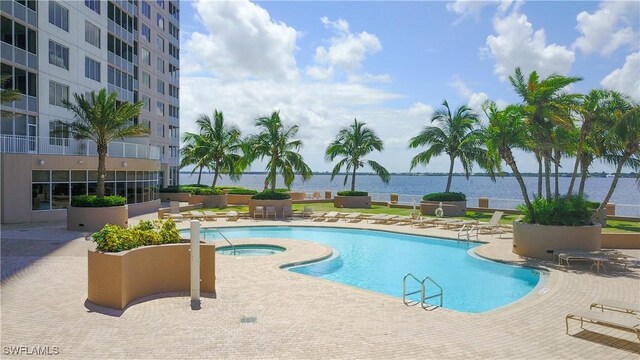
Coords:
287,212
612,320
270,212
258,212
332,216
493,225
210,215
616,305
352,217
307,212
174,211
317,216
233,216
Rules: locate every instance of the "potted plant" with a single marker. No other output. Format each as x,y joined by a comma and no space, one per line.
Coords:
451,203
353,143
174,193
102,118
143,260
91,213
276,199
240,196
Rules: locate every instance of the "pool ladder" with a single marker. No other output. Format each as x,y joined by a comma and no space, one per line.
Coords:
225,239
422,292
467,233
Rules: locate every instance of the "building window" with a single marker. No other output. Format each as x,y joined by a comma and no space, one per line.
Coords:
173,111
58,134
58,55
93,5
160,43
174,31
146,80
146,56
173,91
146,9
18,35
58,15
173,9
58,93
160,86
161,3
160,108
92,34
146,102
30,4
91,69
174,51
160,65
146,32
160,21
24,81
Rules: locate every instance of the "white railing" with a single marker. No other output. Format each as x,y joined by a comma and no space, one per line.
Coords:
62,146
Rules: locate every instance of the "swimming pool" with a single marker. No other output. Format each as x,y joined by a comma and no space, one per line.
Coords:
378,260
250,250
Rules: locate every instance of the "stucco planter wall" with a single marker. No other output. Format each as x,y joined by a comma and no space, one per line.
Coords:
235,199
450,208
95,218
541,241
621,241
352,202
278,204
117,279
184,197
297,195
209,201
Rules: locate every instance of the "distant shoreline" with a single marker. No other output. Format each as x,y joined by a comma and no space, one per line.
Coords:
594,175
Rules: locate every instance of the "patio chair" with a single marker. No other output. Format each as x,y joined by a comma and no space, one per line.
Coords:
352,217
612,320
209,215
270,212
317,216
307,212
174,211
493,225
616,305
258,211
383,219
423,222
197,215
287,212
233,216
597,257
332,216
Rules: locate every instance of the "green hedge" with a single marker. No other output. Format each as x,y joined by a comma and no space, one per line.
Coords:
194,189
445,196
352,193
170,189
242,192
564,211
94,201
271,195
113,238
205,191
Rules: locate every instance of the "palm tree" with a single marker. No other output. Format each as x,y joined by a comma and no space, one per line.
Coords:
625,133
507,131
218,146
8,95
102,118
275,142
354,142
195,153
455,135
545,106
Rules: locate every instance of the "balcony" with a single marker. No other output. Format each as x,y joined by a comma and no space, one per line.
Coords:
19,144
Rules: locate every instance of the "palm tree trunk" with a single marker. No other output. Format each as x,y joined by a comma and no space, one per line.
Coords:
584,173
353,179
575,165
273,174
507,156
102,169
539,159
547,176
556,164
604,202
200,174
215,175
450,175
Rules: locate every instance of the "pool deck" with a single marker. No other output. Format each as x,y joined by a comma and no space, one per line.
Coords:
262,311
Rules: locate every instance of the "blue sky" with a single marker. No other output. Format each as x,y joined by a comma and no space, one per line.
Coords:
390,64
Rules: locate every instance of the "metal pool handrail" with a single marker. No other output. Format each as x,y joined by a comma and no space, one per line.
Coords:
224,237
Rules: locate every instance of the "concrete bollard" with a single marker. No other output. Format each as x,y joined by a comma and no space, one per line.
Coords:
610,209
483,202
327,194
393,198
195,264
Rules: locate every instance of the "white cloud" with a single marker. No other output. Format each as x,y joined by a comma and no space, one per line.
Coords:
466,8
627,78
242,41
346,52
516,44
607,29
474,99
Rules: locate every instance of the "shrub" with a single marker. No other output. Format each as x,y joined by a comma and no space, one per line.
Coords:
94,201
271,195
113,238
282,190
170,189
564,211
205,191
445,196
242,192
352,193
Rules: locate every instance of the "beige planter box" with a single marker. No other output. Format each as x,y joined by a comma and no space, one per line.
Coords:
352,202
278,204
297,195
183,197
621,241
235,199
117,279
542,241
450,208
95,218
209,201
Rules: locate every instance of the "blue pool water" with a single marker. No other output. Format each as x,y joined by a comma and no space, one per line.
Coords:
377,261
250,250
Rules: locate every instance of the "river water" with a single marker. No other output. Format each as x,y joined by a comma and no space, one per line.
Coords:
503,193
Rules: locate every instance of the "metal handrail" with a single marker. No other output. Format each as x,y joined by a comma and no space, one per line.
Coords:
464,231
404,290
440,294
225,239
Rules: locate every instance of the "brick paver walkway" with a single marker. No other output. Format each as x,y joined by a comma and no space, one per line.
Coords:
261,311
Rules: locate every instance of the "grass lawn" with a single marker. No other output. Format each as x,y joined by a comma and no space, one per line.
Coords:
613,226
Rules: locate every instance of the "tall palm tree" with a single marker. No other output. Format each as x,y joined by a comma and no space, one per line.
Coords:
507,131
456,135
195,153
546,106
625,133
221,144
8,94
354,142
275,142
102,118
